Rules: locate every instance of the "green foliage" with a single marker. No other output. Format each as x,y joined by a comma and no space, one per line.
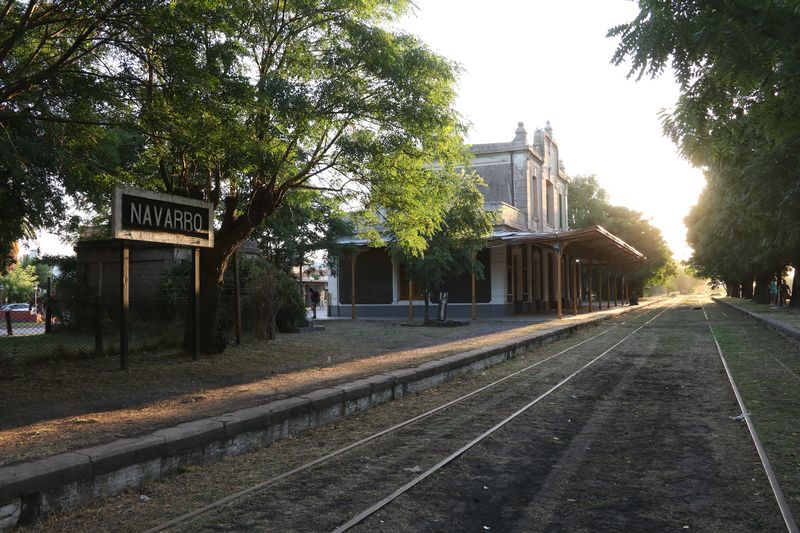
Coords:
43,270
243,110
235,102
270,290
737,64
306,222
451,251
62,108
589,206
587,202
19,284
265,288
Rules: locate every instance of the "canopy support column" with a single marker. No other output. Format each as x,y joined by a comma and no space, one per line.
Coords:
559,253
353,287
575,293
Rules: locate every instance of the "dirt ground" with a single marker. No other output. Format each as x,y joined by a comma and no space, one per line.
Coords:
642,440
56,406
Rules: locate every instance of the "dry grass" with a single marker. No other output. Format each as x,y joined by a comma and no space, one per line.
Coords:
62,405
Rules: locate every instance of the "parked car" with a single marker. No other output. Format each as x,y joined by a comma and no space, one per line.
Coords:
20,312
15,307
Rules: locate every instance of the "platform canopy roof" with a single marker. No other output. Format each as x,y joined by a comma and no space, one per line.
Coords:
594,244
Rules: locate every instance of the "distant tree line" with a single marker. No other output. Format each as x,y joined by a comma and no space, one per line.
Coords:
738,119
589,205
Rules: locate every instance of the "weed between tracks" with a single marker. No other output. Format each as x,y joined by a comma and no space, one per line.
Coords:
771,394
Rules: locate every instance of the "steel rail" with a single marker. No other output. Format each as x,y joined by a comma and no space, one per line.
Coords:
483,436
786,512
258,486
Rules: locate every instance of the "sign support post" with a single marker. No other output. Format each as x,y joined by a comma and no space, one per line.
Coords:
236,303
124,317
195,303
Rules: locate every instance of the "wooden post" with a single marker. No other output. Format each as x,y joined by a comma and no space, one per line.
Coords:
599,270
608,279
237,316
616,288
195,303
410,300
575,293
558,282
48,310
589,297
353,287
627,297
9,330
124,317
600,287
474,315
98,315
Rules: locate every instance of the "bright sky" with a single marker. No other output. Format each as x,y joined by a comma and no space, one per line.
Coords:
536,60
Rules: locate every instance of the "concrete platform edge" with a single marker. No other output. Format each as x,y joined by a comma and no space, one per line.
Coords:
31,490
789,331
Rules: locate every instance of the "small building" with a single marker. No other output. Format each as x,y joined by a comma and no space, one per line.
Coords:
533,261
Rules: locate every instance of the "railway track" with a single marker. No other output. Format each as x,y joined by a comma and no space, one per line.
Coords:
623,428
629,321
780,499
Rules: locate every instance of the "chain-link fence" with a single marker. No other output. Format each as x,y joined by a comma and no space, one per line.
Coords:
80,316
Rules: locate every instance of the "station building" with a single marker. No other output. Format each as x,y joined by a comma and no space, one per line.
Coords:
534,262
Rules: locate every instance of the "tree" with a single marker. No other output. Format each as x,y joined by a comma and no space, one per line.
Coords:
19,283
43,270
588,202
60,108
235,102
736,118
308,221
451,251
244,102
589,206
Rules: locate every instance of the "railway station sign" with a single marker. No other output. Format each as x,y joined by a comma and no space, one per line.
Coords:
141,215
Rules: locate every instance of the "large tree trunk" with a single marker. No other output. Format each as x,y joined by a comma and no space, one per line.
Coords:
761,292
747,287
732,288
213,264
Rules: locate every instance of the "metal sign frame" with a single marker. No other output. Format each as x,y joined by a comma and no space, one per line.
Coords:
171,204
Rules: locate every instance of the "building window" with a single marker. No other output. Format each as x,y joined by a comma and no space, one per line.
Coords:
550,200
561,213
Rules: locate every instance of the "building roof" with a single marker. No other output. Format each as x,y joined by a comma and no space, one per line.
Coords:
594,244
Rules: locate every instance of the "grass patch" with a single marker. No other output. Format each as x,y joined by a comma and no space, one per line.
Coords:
771,392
